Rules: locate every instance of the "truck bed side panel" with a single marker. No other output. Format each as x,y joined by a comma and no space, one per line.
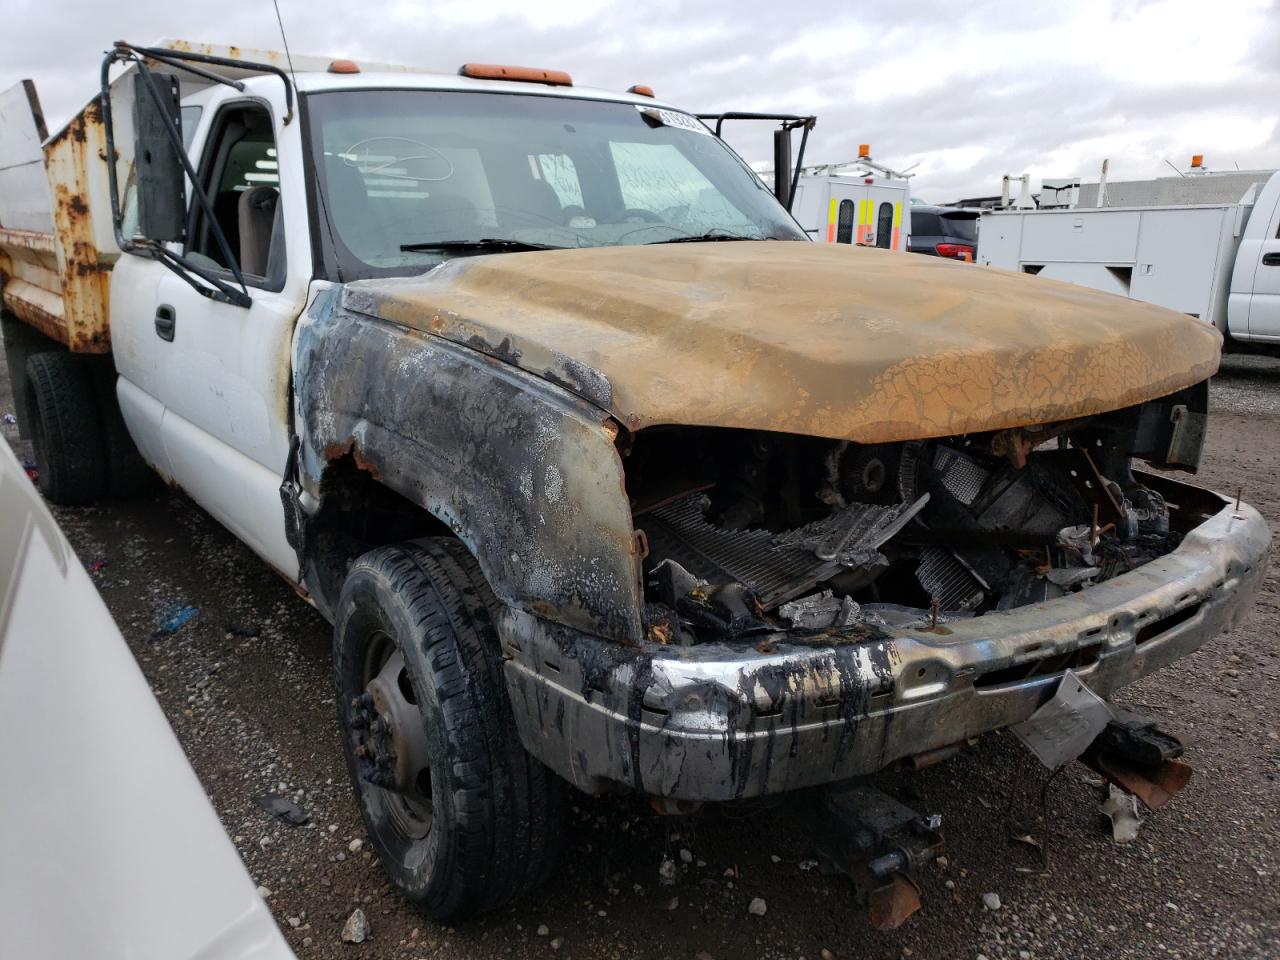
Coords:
24,191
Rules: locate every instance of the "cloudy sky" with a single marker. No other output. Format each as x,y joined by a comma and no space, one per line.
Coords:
961,91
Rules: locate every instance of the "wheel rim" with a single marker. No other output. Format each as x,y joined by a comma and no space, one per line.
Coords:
392,754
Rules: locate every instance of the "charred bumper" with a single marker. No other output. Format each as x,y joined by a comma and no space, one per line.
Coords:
715,722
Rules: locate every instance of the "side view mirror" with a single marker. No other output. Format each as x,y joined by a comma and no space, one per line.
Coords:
161,180
782,165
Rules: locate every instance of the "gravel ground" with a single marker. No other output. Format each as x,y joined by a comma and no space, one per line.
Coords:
246,685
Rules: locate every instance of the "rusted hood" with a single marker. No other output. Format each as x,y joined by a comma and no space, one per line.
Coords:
841,342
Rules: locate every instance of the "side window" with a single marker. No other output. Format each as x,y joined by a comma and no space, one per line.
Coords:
884,225
239,173
190,120
844,222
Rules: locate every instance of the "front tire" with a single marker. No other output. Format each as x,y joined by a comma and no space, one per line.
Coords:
462,818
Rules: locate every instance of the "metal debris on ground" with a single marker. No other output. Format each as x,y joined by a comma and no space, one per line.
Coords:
1136,755
1063,728
1121,808
283,809
174,620
877,842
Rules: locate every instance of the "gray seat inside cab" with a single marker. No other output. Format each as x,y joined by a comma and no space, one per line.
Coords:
258,219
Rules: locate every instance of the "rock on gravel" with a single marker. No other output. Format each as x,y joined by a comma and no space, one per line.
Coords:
356,929
667,871
991,901
757,907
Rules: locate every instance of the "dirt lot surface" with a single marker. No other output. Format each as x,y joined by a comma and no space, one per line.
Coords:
246,685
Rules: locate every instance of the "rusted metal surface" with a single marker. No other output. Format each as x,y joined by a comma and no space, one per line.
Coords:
720,721
32,240
38,307
525,473
802,338
891,905
1154,787
72,159
57,281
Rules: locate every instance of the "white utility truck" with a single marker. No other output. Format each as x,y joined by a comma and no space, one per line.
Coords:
857,202
603,472
1205,244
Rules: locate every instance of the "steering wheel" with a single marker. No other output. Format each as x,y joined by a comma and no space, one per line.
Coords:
634,214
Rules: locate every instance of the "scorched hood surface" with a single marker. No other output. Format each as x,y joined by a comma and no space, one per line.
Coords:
832,341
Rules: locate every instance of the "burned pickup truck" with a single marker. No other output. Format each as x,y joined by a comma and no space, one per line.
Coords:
602,472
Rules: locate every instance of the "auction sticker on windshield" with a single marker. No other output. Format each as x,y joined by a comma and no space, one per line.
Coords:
673,118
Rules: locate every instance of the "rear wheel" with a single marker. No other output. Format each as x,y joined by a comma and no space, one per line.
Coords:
127,473
66,428
463,819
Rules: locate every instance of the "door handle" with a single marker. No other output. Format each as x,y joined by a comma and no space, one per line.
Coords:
166,321
1271,259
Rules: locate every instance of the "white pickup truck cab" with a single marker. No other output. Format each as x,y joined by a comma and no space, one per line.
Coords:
604,473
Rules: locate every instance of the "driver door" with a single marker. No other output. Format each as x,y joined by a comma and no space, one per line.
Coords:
207,382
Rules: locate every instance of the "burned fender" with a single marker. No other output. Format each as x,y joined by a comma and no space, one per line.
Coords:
525,473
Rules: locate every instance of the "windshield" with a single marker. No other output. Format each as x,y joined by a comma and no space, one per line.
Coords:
485,172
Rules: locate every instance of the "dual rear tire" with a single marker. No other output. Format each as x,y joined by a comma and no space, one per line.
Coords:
83,451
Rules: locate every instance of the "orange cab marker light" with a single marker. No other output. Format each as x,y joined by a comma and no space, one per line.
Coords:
494,71
641,90
344,66
864,151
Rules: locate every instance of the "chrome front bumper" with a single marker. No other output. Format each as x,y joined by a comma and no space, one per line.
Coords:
716,722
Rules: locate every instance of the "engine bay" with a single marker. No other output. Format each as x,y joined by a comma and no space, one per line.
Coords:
750,534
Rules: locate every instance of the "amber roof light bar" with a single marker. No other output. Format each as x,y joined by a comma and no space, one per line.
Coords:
496,71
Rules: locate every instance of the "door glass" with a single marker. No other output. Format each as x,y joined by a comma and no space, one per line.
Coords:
241,176
844,222
884,225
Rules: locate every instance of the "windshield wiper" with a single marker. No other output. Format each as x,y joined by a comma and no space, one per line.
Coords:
708,237
510,246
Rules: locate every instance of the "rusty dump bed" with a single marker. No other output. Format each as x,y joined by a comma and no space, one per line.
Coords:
56,241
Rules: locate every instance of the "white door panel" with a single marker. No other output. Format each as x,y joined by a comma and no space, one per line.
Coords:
1264,305
144,416
134,344
240,493
227,369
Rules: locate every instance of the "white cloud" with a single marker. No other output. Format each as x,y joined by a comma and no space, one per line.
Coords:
969,91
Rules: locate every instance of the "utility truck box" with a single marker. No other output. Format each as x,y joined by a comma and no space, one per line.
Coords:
1219,262
605,474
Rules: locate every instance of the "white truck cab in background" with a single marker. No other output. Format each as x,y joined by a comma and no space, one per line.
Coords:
1174,241
859,202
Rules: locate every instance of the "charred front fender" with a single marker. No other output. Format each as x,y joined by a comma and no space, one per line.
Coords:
525,473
